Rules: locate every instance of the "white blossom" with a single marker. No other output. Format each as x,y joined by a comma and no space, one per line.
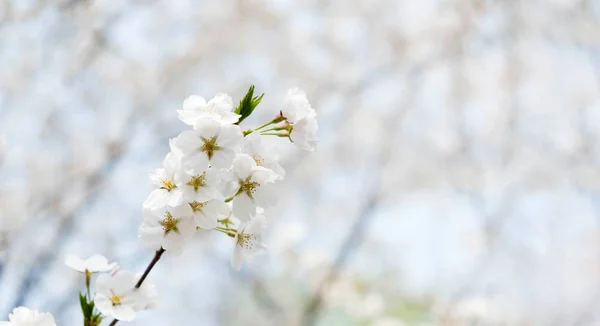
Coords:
163,180
219,108
208,213
168,227
248,241
117,297
253,146
209,143
250,185
22,316
295,105
304,132
199,185
94,264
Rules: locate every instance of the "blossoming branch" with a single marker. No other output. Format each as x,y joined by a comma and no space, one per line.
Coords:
218,177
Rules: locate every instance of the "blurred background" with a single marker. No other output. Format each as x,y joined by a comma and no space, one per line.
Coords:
457,180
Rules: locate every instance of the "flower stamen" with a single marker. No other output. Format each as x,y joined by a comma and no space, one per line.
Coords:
168,184
210,146
169,223
197,206
198,181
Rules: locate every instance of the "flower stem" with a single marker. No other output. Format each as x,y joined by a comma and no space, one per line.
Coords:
229,232
156,258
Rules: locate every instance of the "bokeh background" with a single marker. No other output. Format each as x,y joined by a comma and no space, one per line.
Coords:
457,180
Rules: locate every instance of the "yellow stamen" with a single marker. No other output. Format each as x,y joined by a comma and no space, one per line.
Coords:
197,181
168,184
210,146
169,223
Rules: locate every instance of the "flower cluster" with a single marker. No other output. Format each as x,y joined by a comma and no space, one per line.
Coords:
218,177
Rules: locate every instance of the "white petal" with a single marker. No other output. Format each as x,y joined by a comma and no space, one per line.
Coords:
197,161
103,304
230,137
123,281
295,105
156,177
222,158
173,242
189,117
207,193
243,207
174,197
97,263
221,103
75,263
186,226
261,174
186,143
182,210
123,312
207,128
243,165
236,258
194,103
152,236
256,225
206,220
171,164
103,282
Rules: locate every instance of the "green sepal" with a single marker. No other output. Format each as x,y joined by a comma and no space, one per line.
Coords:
84,305
248,104
87,308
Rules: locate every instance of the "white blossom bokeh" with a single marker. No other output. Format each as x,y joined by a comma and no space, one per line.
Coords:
456,181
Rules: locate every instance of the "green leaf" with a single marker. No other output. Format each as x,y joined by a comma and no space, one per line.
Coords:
248,104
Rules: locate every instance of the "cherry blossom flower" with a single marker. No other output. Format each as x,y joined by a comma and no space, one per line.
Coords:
209,143
250,185
208,213
22,316
253,146
166,191
168,227
304,132
295,105
248,241
117,297
94,264
219,108
199,185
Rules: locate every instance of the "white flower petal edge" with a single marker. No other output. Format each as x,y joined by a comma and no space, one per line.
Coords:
304,132
248,241
22,316
94,264
295,105
117,297
219,108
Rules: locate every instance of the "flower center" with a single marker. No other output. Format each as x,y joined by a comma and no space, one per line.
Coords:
197,206
168,184
249,187
246,240
169,223
197,181
115,299
210,146
258,159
